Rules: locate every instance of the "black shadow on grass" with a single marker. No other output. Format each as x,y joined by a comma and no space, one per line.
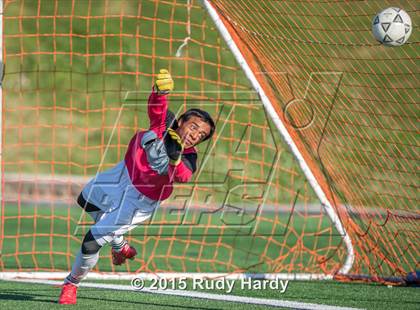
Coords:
17,295
31,294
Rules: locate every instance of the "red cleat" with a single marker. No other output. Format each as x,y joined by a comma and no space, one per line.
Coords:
127,251
68,294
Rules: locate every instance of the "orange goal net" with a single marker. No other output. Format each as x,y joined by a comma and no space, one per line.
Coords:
77,76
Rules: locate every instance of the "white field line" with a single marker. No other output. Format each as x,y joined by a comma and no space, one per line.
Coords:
41,275
202,295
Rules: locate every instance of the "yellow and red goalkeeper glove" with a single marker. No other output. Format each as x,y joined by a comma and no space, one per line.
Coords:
174,147
164,83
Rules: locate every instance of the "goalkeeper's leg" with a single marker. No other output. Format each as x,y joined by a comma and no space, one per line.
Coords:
118,242
109,228
120,248
85,260
88,255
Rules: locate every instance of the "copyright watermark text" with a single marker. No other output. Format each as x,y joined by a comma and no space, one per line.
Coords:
226,285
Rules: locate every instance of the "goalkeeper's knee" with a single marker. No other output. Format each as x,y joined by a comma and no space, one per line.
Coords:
89,244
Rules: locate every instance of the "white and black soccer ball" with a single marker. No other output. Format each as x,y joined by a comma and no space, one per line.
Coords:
392,26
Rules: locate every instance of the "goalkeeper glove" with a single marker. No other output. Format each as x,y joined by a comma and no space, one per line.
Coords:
174,147
164,83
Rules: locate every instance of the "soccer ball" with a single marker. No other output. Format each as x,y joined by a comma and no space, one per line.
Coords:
392,26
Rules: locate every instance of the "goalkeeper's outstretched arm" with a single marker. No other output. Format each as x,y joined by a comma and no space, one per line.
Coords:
157,106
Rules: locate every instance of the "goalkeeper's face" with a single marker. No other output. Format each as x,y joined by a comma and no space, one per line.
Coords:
193,131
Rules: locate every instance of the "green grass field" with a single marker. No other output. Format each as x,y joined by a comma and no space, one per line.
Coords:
364,296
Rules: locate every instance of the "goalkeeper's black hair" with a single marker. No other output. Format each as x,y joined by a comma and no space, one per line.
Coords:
201,114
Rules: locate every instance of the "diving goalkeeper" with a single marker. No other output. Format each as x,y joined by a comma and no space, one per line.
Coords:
121,198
